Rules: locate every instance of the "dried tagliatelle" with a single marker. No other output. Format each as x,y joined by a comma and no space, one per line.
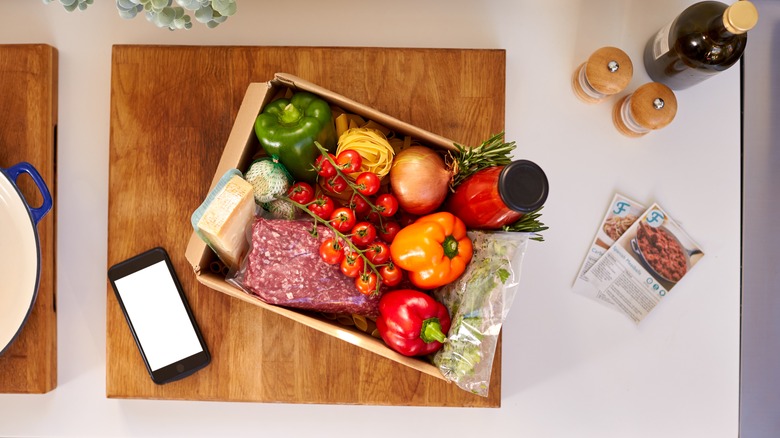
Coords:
373,147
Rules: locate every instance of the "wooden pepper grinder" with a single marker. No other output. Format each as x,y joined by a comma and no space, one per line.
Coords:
652,106
607,72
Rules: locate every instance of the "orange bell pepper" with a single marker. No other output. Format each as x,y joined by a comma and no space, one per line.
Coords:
434,250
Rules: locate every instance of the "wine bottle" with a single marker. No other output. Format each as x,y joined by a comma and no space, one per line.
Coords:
705,39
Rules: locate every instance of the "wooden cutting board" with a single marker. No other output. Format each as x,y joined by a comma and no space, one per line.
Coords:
172,109
28,104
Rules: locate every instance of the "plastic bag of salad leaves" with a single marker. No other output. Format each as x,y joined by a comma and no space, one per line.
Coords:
478,303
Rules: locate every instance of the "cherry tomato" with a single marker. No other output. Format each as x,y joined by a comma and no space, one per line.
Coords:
366,283
349,161
352,265
336,184
323,166
389,231
391,275
405,219
343,219
387,204
301,193
363,233
331,251
322,207
378,252
373,217
368,183
359,205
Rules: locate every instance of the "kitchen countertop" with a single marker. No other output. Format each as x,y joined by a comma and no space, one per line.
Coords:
570,366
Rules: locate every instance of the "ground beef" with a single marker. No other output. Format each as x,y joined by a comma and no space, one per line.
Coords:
662,252
284,268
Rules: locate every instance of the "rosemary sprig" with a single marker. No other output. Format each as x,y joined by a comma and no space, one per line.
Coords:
529,223
492,152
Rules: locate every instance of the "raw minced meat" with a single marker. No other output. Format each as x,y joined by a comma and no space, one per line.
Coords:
284,268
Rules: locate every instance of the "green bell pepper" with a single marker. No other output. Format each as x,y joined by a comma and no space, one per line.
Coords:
288,128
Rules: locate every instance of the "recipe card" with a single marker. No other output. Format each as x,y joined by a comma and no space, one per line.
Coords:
621,214
643,265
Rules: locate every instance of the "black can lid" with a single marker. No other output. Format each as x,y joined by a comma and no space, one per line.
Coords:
523,186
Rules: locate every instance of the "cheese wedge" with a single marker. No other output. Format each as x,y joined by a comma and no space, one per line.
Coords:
224,222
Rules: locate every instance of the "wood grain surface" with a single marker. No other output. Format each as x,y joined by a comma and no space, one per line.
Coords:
172,109
28,105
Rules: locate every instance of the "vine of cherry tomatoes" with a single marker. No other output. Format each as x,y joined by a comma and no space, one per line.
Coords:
364,227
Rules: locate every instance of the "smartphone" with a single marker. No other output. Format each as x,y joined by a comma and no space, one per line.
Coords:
159,316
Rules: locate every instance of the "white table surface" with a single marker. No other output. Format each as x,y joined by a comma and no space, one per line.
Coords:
571,367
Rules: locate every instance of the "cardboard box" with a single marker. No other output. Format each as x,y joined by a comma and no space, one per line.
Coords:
241,147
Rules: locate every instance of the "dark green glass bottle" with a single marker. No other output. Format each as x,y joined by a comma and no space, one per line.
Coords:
705,39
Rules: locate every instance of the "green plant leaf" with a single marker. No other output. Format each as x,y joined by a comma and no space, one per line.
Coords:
503,274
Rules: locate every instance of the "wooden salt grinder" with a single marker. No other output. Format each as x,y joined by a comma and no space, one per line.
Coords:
607,72
652,106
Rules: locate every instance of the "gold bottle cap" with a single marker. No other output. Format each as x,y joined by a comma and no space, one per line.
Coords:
740,17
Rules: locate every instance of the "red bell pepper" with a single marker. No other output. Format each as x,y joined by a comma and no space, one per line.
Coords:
412,323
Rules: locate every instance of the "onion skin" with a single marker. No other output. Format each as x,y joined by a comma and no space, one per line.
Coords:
420,179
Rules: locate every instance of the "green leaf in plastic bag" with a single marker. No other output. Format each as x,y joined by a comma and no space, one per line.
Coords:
503,274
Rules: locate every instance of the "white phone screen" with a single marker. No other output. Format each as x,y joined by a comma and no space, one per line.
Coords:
158,315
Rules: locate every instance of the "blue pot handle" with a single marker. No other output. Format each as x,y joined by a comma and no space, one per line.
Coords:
24,167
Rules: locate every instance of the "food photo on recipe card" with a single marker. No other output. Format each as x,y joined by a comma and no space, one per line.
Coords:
647,257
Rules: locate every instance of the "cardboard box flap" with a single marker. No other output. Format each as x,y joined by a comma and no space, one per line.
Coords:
422,135
236,154
196,253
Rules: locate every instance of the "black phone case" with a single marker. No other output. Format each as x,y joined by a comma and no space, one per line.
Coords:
184,367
